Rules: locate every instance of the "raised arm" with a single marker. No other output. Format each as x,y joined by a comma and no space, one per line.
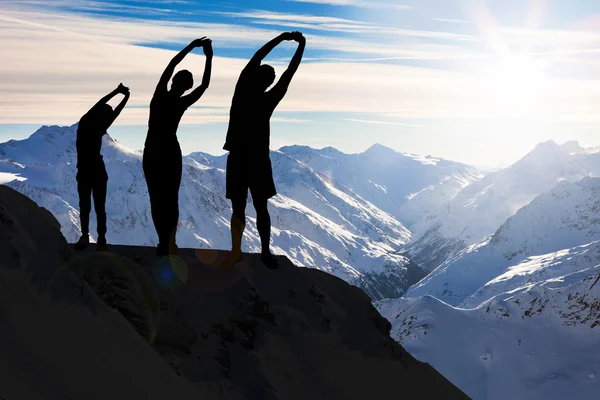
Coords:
281,87
199,91
106,98
168,72
267,48
125,91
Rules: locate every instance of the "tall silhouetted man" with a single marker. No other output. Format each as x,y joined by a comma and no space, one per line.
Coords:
162,154
248,139
92,178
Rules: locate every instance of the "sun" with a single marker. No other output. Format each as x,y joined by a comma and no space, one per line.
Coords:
516,86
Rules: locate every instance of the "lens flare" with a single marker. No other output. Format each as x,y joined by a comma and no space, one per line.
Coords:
170,272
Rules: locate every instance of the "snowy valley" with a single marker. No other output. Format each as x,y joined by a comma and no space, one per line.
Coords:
518,314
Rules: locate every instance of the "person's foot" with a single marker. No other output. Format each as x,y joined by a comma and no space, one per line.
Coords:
161,251
233,258
101,244
269,260
173,249
83,242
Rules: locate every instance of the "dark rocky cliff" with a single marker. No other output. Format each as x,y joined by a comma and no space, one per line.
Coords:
126,325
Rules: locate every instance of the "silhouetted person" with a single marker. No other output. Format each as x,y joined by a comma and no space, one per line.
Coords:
91,172
162,154
248,139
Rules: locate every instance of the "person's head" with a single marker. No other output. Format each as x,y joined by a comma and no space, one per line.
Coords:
101,114
182,82
266,77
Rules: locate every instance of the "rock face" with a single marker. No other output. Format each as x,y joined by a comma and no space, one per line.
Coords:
58,340
125,325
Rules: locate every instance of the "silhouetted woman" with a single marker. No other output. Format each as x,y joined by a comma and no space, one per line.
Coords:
92,178
248,139
162,154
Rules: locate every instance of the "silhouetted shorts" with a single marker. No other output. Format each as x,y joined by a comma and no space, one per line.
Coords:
253,172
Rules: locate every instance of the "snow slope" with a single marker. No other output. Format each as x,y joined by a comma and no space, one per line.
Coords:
481,207
565,217
516,316
316,222
404,185
537,340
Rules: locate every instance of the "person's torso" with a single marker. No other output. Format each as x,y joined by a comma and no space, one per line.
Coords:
249,120
89,145
166,112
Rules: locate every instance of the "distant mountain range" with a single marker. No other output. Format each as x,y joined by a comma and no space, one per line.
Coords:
480,208
337,212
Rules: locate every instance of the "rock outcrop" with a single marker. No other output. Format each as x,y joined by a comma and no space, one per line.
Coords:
123,324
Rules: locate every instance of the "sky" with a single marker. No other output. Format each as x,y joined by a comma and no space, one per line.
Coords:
476,81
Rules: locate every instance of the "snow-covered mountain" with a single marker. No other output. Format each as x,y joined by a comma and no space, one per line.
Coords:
518,315
538,339
405,185
481,207
317,222
565,217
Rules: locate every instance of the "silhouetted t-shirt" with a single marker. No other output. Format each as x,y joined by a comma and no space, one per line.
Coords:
89,143
166,111
250,114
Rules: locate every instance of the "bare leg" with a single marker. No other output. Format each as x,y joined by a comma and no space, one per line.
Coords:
238,224
263,224
99,194
84,188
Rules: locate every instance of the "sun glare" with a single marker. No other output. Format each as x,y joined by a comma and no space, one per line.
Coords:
516,86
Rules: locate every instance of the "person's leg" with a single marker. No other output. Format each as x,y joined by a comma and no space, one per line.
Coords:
238,224
99,193
237,191
84,189
155,193
263,225
262,188
172,202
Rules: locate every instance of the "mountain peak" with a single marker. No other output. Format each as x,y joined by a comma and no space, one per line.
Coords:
378,149
548,144
573,147
296,149
544,153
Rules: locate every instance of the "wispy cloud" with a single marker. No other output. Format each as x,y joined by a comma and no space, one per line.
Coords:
359,3
452,21
147,8
58,64
291,120
375,122
331,24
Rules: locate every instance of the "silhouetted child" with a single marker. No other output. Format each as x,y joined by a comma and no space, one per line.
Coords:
162,154
91,172
248,139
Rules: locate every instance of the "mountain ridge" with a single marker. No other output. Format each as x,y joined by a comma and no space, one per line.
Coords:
481,207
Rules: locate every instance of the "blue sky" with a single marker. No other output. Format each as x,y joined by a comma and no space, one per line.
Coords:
470,80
